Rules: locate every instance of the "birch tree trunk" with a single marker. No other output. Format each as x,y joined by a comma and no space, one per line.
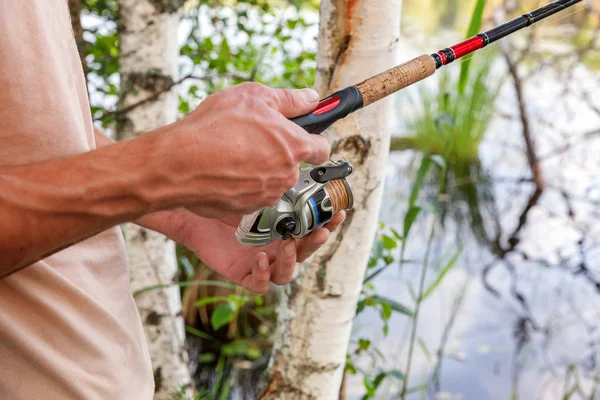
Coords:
148,67
357,39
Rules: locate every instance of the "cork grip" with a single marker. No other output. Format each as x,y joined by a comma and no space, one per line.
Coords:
395,79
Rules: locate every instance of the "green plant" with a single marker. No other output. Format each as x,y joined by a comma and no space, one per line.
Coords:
452,125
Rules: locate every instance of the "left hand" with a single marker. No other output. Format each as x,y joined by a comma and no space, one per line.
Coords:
214,241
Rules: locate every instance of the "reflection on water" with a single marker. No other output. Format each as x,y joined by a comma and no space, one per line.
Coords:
530,329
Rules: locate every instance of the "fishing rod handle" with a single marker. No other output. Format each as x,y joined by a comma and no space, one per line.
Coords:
340,104
396,79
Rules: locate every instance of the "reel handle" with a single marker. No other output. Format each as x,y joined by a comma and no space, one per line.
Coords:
335,107
340,104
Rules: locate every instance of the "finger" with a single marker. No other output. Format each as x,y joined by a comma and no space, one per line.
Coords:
319,147
336,221
285,264
260,277
294,103
312,243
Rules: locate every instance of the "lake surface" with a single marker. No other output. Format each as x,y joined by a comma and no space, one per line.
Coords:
534,332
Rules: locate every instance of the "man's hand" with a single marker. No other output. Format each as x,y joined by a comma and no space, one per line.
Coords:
238,152
213,240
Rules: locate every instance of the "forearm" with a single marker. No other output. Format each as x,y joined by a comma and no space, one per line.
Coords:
165,222
48,206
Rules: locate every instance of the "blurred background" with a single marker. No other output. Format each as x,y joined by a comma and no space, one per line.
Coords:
490,288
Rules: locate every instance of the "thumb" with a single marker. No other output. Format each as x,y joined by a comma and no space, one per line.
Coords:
294,103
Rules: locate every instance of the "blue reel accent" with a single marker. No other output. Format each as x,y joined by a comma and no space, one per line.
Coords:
316,211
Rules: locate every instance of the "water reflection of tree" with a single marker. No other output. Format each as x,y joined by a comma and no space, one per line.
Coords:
526,58
507,244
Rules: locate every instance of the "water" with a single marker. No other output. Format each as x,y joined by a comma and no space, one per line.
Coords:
535,333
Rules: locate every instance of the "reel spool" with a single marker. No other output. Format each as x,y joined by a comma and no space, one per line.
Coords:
319,194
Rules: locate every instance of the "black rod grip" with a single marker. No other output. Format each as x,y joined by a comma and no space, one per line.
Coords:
331,109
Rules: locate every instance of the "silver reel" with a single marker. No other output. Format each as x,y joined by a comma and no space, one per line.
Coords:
319,194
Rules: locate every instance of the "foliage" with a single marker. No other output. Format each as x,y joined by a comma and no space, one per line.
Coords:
388,245
448,133
453,125
226,43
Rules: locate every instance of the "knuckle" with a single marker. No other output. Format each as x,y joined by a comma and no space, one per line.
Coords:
304,150
323,149
255,89
290,99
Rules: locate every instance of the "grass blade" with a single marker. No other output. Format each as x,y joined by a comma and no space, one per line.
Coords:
394,305
474,29
431,288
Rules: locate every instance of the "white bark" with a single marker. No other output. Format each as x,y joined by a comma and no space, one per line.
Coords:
148,65
358,39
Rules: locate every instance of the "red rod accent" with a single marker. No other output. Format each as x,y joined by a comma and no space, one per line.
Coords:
468,46
444,58
327,105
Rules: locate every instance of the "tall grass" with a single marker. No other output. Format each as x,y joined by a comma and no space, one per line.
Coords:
452,124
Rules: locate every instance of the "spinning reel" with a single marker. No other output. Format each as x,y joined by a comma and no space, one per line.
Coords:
319,194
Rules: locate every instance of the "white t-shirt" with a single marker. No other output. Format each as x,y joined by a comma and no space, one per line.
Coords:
69,327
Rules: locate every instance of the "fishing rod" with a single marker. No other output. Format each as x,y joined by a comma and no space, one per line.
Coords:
324,190
340,104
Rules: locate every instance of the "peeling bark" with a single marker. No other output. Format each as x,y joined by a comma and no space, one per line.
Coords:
358,39
148,65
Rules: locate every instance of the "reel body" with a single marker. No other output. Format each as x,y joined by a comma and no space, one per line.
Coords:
319,194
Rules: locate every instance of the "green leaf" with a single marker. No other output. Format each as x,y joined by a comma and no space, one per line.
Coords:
378,379
409,219
259,301
424,348
396,374
474,28
193,331
414,194
388,242
184,106
386,310
210,300
431,288
394,305
222,315
368,387
350,368
396,234
364,344
206,358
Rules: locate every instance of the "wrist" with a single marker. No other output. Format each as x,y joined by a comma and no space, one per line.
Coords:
170,223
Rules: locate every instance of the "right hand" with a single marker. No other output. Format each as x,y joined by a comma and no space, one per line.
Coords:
240,150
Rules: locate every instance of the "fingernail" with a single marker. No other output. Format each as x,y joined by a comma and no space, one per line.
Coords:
263,263
290,248
309,95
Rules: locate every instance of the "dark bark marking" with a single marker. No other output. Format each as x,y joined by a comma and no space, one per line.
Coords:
158,380
355,144
153,318
167,6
